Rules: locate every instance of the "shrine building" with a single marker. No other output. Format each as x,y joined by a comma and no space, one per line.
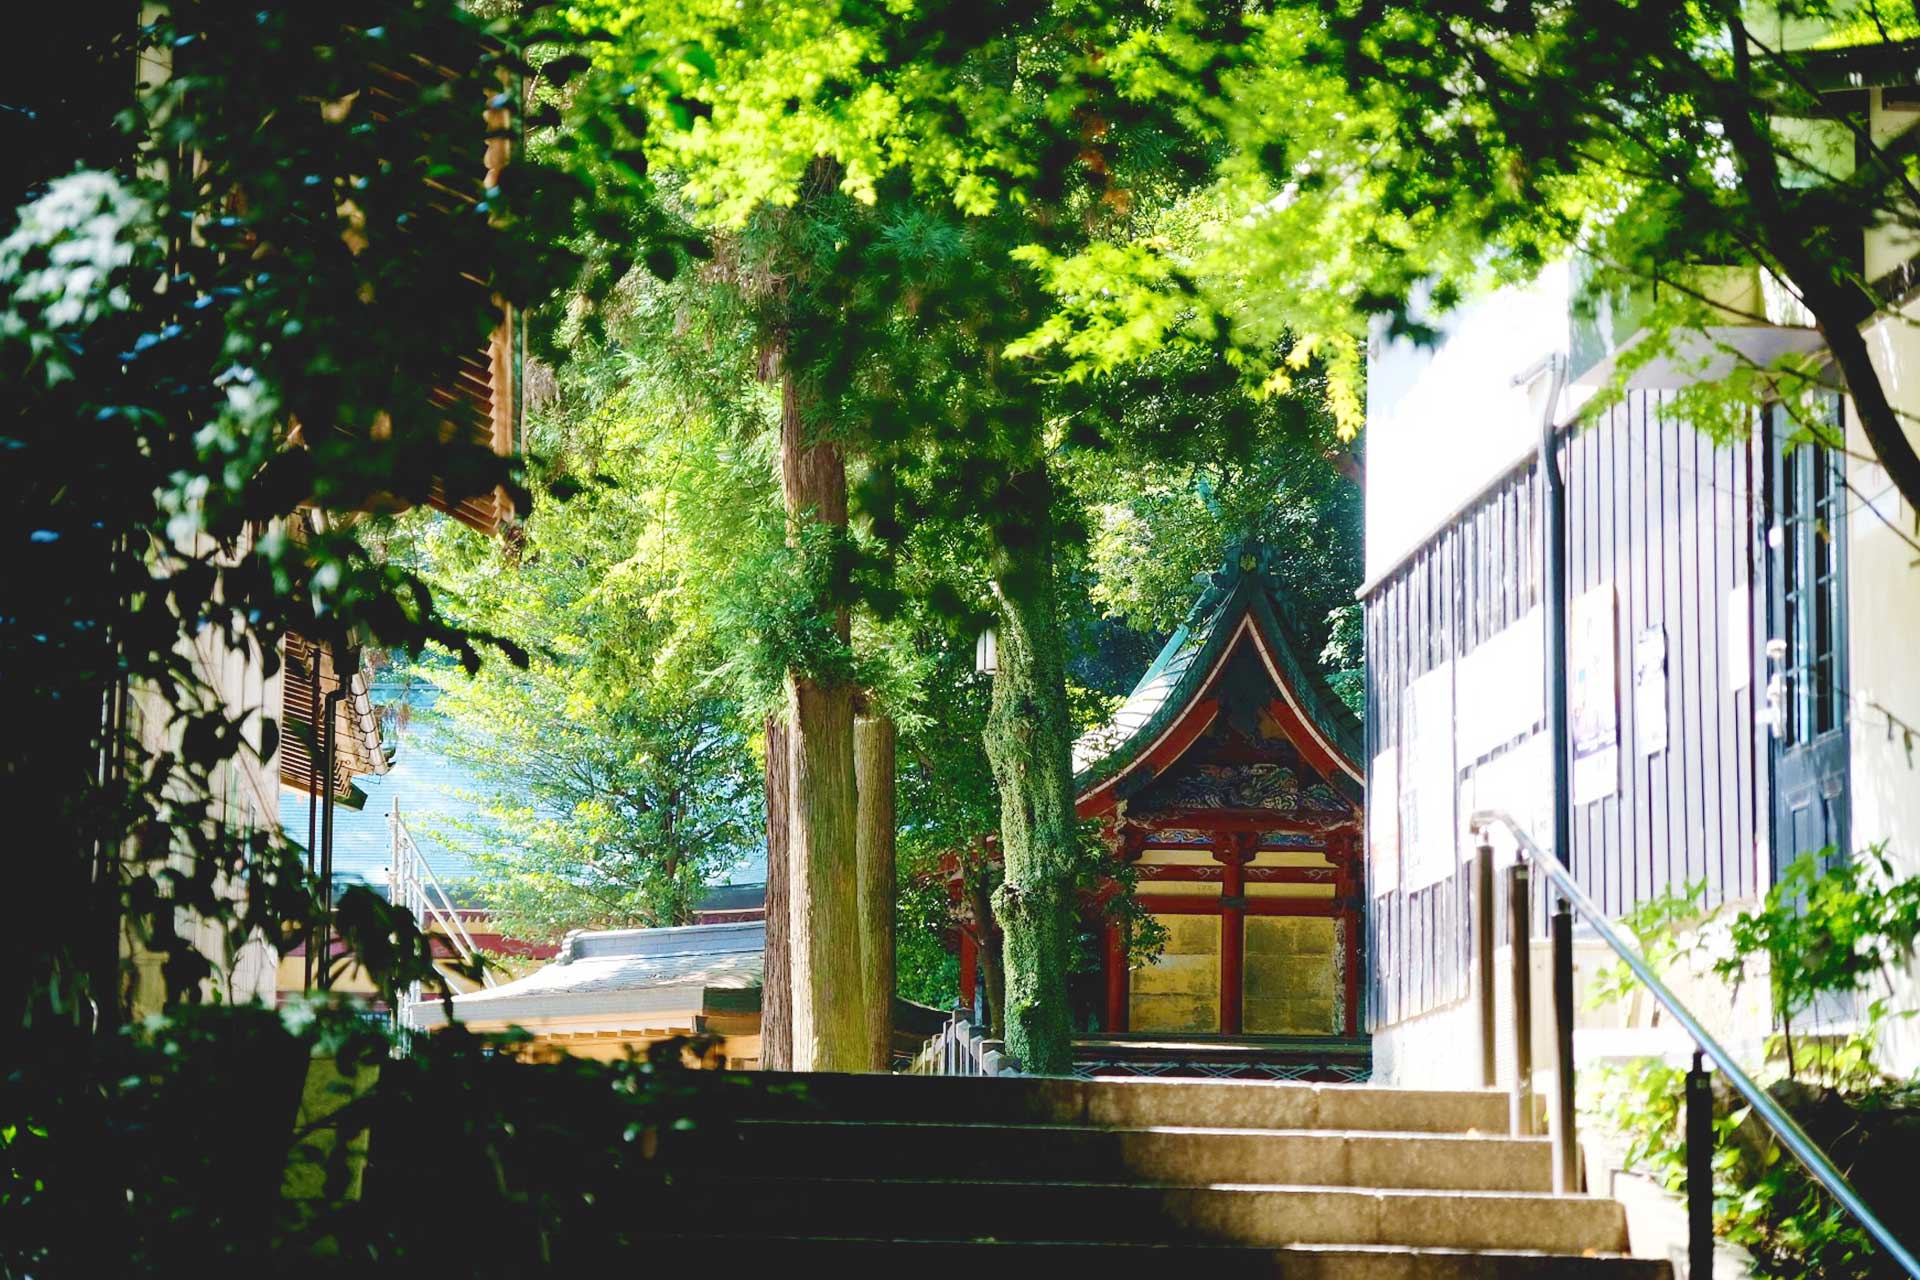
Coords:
1231,782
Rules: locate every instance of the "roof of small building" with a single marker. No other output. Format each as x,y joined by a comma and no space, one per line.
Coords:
1245,587
733,897
623,974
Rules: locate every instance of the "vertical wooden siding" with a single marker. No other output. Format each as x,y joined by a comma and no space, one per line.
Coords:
1667,517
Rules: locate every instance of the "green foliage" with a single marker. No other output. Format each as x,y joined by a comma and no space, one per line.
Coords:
1829,926
1827,929
228,1141
1676,145
1666,928
1244,468
270,252
1764,1201
912,208
617,766
926,968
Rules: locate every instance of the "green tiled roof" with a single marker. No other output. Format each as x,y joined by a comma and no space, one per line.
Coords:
1243,585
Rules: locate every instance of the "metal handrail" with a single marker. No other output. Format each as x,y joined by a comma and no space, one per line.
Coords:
1784,1127
443,912
411,883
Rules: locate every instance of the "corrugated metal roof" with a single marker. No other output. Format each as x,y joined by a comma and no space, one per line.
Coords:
627,972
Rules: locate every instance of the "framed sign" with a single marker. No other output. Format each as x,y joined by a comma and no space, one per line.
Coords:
1428,833
1519,783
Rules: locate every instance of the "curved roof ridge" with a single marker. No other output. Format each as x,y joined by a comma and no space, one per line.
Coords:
1244,584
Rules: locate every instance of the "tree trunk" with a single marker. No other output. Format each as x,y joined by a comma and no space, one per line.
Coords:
1028,741
873,769
992,976
829,1008
776,983
1819,271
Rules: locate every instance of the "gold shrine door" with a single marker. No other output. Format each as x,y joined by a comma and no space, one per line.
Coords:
1272,959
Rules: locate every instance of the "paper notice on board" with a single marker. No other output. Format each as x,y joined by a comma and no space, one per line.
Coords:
1428,837
1383,824
1519,783
1593,690
1650,690
1739,638
1501,691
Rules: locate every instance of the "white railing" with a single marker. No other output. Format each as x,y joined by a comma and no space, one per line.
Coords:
962,1049
412,884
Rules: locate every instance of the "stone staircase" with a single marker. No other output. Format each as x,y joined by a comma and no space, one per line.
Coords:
1026,1176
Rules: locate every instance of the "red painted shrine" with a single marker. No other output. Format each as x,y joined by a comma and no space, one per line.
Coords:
1231,782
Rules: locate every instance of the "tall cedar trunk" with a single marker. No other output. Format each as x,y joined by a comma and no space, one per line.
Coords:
873,769
1028,740
776,983
829,1008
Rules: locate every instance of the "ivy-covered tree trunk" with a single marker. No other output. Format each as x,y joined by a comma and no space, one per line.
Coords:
1029,741
776,982
829,1006
992,976
873,768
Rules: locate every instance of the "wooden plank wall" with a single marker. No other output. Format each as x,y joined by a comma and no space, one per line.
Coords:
1668,517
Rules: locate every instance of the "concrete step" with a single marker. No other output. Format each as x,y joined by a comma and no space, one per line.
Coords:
1165,1155
1139,1104
1269,1216
1045,1260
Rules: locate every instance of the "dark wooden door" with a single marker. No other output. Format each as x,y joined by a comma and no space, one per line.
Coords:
1805,647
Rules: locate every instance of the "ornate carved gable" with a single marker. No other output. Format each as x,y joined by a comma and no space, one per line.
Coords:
1244,761
1229,715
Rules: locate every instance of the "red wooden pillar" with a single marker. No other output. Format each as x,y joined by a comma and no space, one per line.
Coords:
969,967
1127,843
1233,851
956,897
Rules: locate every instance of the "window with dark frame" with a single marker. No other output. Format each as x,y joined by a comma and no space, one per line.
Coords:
1812,510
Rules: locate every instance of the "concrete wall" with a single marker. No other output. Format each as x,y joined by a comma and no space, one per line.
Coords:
246,797
1444,421
1883,591
1441,1049
1888,248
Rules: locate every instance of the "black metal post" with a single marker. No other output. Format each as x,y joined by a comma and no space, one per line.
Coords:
1553,592
1699,1171
1483,917
1566,1145
1520,935
312,668
325,970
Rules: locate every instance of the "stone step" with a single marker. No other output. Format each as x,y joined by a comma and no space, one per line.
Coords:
1165,1155
1044,1259
1139,1104
1268,1216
